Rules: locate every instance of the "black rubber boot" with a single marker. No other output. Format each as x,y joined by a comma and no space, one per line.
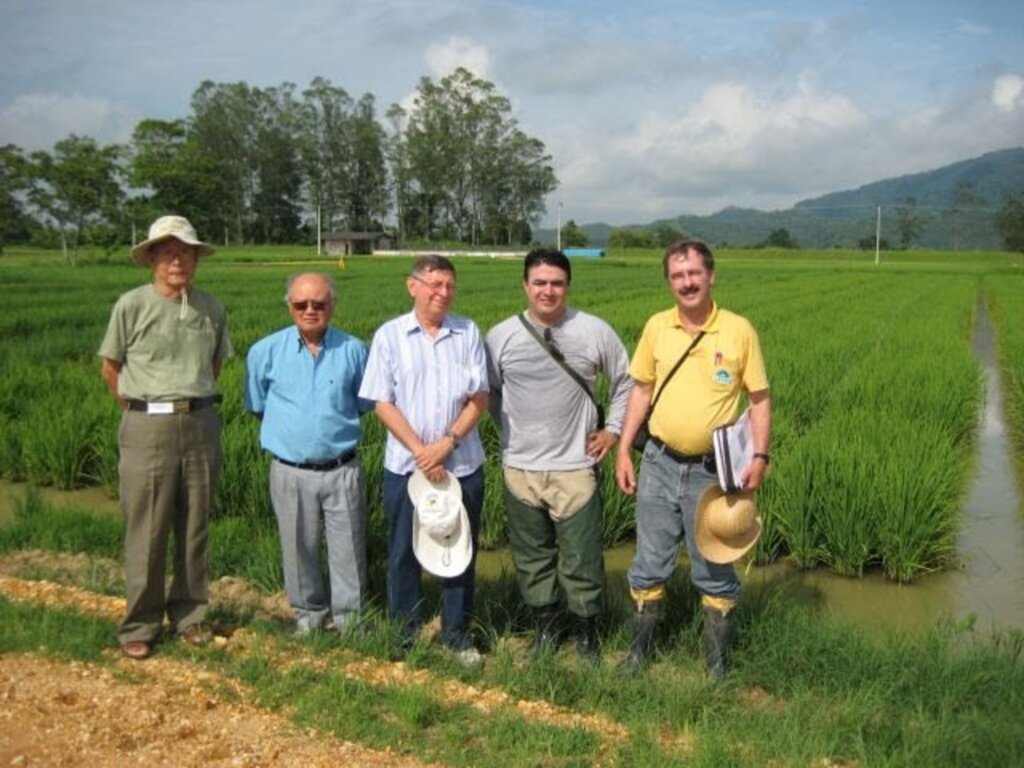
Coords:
646,617
545,631
588,643
716,636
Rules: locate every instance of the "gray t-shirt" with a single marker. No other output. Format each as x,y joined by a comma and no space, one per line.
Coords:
166,348
544,415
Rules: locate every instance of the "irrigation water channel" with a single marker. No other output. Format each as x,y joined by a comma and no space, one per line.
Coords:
988,585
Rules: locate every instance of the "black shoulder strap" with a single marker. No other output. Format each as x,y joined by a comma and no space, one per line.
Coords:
565,366
672,373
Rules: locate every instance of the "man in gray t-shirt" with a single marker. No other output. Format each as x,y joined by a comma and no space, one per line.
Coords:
543,368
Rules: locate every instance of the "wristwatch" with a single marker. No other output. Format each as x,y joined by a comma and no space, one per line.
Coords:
456,440
766,457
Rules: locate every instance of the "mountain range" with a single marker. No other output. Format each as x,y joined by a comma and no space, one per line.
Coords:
955,204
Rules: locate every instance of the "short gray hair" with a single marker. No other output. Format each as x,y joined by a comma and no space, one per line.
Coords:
326,278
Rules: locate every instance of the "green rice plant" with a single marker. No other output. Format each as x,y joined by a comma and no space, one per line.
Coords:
246,548
1005,295
917,512
37,525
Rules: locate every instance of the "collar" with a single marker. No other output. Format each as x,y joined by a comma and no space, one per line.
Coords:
300,340
710,325
410,325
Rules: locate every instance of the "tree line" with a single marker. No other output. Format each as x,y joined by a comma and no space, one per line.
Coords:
260,165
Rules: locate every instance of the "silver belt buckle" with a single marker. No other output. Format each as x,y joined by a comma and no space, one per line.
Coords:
160,408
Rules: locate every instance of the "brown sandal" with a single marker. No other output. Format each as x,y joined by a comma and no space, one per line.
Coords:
136,649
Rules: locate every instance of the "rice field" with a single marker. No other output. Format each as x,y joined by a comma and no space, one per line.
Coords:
874,385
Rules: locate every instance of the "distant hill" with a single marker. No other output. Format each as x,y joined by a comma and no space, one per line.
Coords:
844,218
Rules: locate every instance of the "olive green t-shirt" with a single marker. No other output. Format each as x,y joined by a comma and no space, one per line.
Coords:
166,347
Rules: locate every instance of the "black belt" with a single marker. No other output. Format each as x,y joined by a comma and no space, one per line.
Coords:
158,407
682,458
320,466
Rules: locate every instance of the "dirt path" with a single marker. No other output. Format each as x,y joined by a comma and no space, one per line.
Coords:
168,712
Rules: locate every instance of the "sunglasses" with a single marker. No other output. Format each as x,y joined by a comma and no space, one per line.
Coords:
316,306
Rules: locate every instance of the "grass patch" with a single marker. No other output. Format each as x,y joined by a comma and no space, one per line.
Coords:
28,628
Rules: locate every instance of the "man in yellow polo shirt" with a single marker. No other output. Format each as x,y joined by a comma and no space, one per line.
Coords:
704,393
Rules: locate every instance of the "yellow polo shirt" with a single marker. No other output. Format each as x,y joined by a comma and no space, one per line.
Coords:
705,392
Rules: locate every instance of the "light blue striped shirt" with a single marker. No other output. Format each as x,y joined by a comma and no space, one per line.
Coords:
429,380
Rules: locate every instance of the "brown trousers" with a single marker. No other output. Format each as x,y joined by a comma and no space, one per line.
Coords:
169,465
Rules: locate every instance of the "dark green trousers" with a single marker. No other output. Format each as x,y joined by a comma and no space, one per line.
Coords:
556,559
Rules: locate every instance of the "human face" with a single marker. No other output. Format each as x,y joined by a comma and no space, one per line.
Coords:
546,290
309,302
173,263
432,294
691,283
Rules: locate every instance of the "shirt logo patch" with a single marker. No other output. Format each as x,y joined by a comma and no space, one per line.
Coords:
722,376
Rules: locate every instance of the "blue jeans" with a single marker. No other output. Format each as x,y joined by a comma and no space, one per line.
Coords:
405,588
666,505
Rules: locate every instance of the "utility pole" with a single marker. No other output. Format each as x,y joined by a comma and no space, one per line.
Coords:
558,236
878,234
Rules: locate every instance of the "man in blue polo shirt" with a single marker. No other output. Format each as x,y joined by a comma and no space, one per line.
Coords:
303,382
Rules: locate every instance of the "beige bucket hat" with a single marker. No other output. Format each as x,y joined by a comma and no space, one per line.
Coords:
441,537
728,525
170,226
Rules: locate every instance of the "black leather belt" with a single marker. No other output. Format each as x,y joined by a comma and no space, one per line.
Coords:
682,458
155,407
320,466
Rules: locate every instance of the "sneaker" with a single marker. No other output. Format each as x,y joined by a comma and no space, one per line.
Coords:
470,657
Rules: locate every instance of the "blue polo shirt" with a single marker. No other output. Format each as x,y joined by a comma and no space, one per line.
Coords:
310,405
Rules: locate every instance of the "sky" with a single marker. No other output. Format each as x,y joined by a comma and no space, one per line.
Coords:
648,109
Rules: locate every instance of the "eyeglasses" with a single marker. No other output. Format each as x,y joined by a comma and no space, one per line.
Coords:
316,306
436,286
550,341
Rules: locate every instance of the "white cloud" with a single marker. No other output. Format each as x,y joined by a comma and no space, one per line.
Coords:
39,120
1008,92
972,29
458,51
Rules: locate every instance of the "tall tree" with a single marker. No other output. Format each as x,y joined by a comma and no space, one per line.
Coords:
962,215
77,185
223,125
910,222
573,236
1010,221
467,170
13,181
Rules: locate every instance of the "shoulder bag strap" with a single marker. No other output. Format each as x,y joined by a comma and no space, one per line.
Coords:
565,366
672,373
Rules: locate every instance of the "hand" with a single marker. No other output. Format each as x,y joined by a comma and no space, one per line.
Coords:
625,473
432,455
753,475
436,474
599,442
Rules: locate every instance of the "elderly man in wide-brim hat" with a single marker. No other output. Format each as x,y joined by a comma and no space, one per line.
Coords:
161,355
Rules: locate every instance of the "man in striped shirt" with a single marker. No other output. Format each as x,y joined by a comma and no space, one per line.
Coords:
427,373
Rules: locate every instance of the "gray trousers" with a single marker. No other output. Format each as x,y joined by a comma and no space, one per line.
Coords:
168,468
302,498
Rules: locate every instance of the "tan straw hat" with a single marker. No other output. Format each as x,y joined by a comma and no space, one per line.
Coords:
170,226
727,525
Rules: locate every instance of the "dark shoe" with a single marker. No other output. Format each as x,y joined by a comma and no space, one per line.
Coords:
196,635
588,643
402,647
136,650
716,636
546,636
645,621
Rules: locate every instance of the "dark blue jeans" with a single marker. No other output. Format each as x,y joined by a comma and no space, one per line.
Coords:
405,589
